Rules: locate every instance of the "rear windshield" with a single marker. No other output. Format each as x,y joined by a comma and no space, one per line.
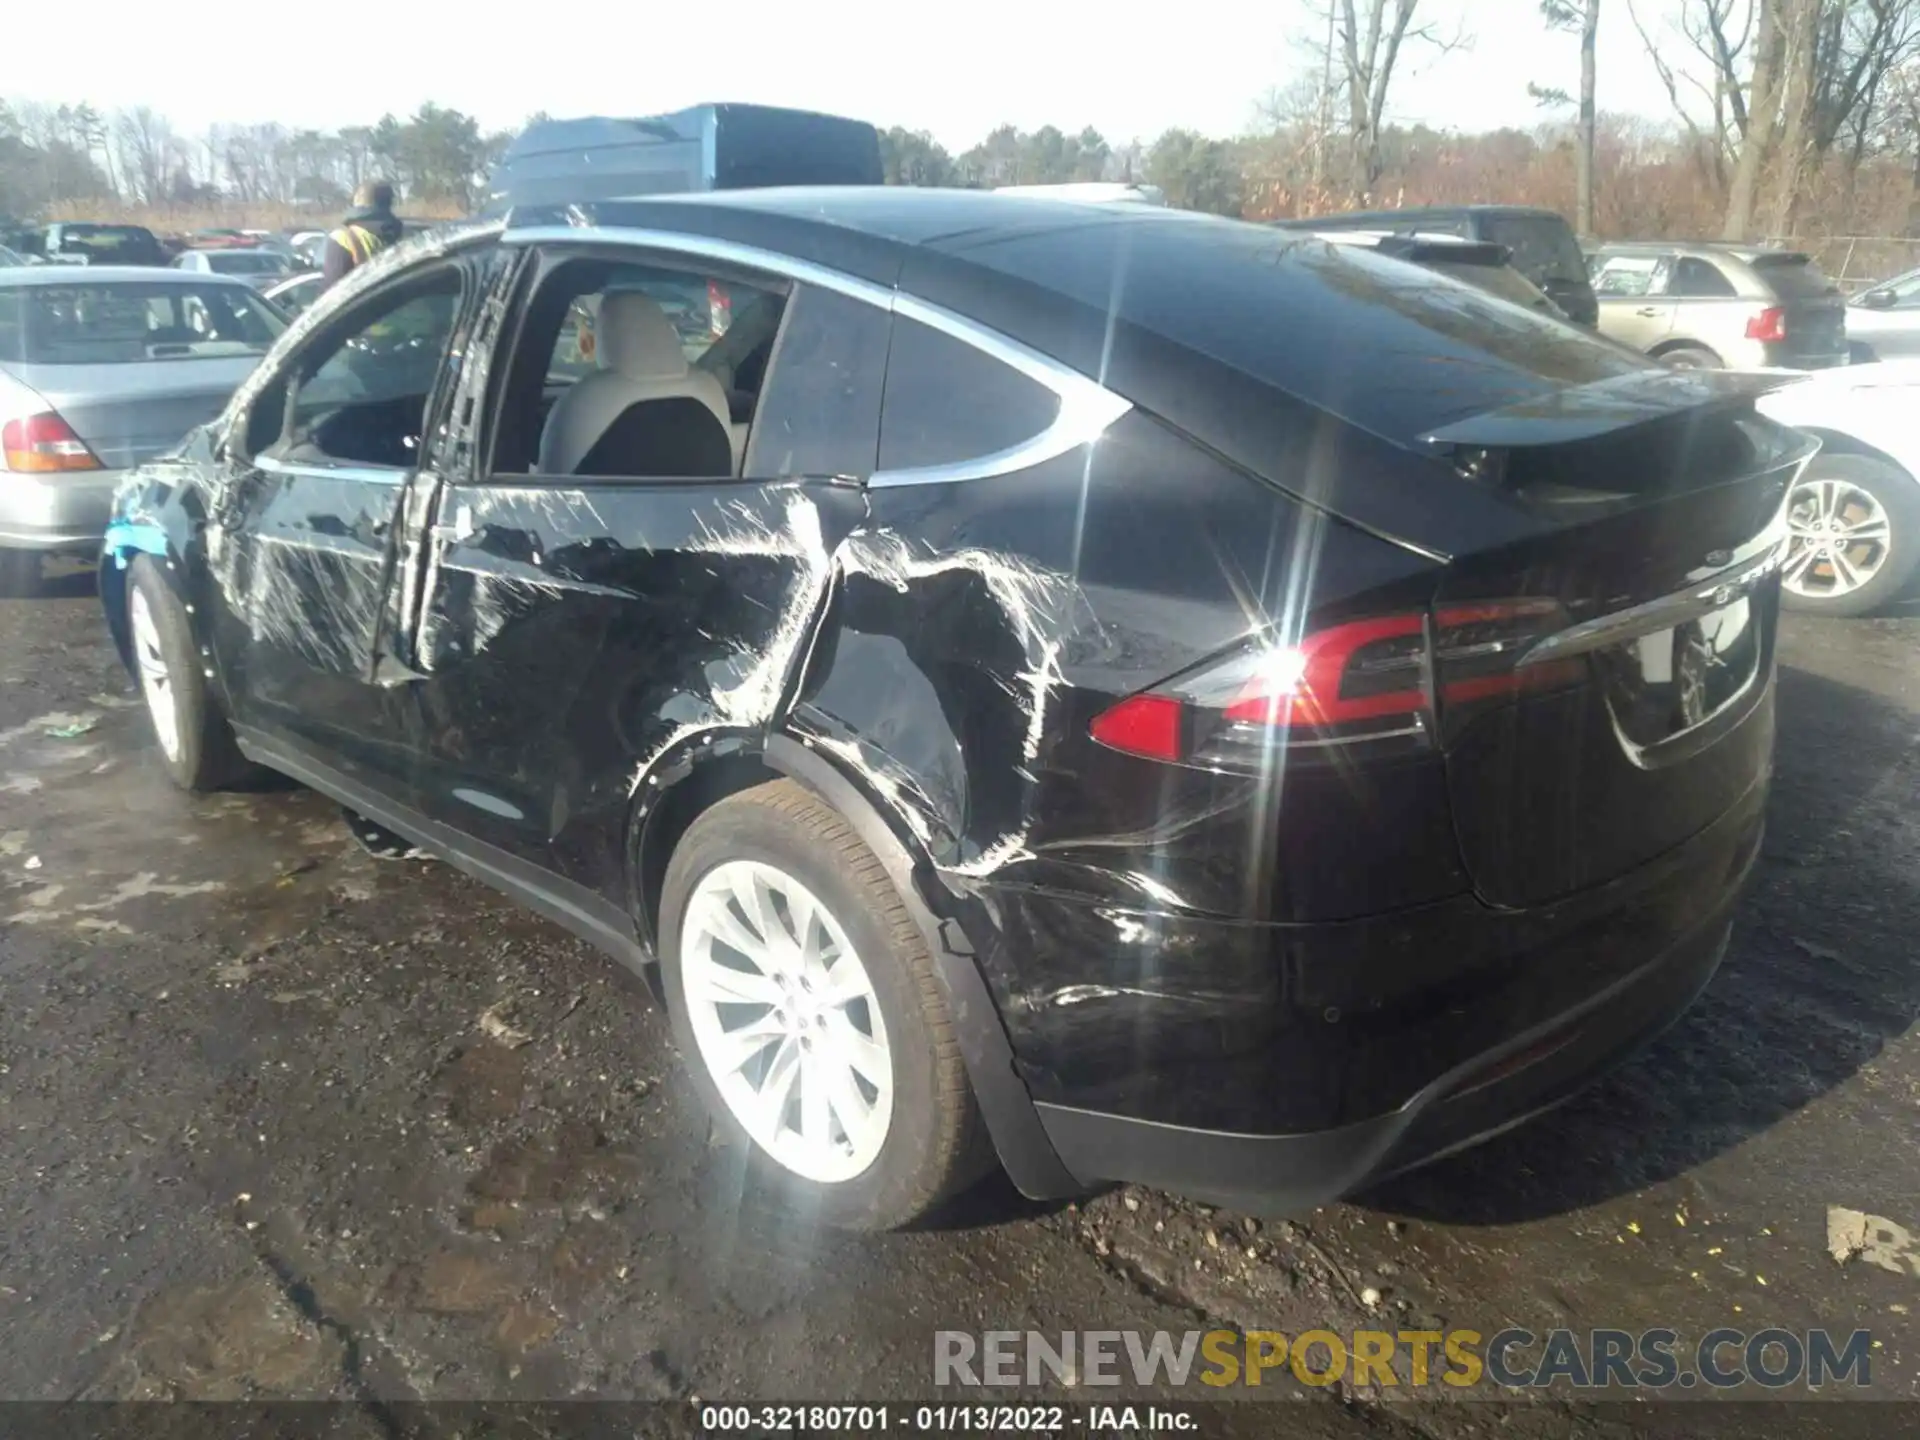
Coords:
1542,245
1793,277
1387,346
127,322
245,262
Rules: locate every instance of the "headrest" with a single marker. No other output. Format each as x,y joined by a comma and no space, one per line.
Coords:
633,337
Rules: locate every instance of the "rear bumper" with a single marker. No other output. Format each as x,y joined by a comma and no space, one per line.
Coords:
1490,1093
56,512
1372,1049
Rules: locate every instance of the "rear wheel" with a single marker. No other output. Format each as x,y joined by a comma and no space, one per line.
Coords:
804,1001
19,572
196,743
1855,535
1690,357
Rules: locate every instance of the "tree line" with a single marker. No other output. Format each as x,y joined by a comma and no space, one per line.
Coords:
1784,116
54,157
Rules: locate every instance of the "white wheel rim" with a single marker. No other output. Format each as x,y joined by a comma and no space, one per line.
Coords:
787,1024
1840,538
155,683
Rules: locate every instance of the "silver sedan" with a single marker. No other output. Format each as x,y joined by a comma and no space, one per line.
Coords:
1884,323
101,369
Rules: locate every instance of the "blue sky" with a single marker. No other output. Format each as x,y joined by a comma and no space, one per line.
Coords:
956,71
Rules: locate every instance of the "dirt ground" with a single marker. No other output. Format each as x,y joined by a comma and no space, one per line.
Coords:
283,1120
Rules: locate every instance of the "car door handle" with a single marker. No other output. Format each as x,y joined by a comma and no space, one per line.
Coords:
1650,312
460,529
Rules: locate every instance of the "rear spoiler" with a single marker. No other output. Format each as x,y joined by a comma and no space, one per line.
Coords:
1584,412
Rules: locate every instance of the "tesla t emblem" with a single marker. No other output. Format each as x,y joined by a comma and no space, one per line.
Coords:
1717,558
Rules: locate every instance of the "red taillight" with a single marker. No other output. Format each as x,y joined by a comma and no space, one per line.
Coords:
1359,682
1770,325
1149,725
719,308
37,444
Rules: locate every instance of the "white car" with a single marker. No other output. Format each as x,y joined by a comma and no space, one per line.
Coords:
1855,512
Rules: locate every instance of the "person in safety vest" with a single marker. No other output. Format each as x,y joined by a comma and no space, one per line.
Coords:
370,229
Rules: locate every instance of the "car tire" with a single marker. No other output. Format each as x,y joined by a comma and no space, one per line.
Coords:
19,573
1859,485
1691,357
196,742
856,1161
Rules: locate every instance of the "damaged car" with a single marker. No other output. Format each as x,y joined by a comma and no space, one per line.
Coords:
1114,693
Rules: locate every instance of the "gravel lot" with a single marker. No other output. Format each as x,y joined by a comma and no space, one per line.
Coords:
284,1120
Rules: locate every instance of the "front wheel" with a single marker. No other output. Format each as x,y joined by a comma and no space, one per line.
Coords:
1691,357
804,1001
1855,535
196,743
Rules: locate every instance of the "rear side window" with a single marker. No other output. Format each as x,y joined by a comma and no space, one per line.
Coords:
1792,277
820,411
1542,245
1630,276
1697,279
948,401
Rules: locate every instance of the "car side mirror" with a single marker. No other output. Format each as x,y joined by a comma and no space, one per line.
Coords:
1878,300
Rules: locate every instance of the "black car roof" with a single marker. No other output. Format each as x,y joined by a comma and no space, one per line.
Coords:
1204,322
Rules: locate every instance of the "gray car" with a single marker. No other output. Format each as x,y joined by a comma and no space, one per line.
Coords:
1743,307
1883,323
100,369
259,267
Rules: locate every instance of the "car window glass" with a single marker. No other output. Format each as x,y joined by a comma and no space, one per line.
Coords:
1627,276
363,393
569,403
948,401
819,413
1792,276
1542,245
1906,291
1694,278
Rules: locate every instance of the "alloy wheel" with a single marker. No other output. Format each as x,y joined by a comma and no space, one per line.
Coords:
155,681
1840,538
786,1020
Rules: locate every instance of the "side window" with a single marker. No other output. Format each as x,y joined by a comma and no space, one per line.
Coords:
820,411
1629,277
948,401
631,369
1694,278
1906,295
360,392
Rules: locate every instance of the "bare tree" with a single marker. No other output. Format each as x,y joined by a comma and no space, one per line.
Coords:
147,151
1581,17
1372,33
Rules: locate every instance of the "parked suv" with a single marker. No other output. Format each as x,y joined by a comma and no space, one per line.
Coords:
1540,242
1706,306
82,242
1143,695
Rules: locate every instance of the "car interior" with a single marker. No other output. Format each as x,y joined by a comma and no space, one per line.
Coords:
360,394
635,371
617,370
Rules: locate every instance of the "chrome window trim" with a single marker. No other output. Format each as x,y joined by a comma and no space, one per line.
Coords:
368,474
1087,408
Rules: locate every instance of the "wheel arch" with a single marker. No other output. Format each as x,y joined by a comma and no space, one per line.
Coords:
124,540
708,773
1839,442
1667,347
